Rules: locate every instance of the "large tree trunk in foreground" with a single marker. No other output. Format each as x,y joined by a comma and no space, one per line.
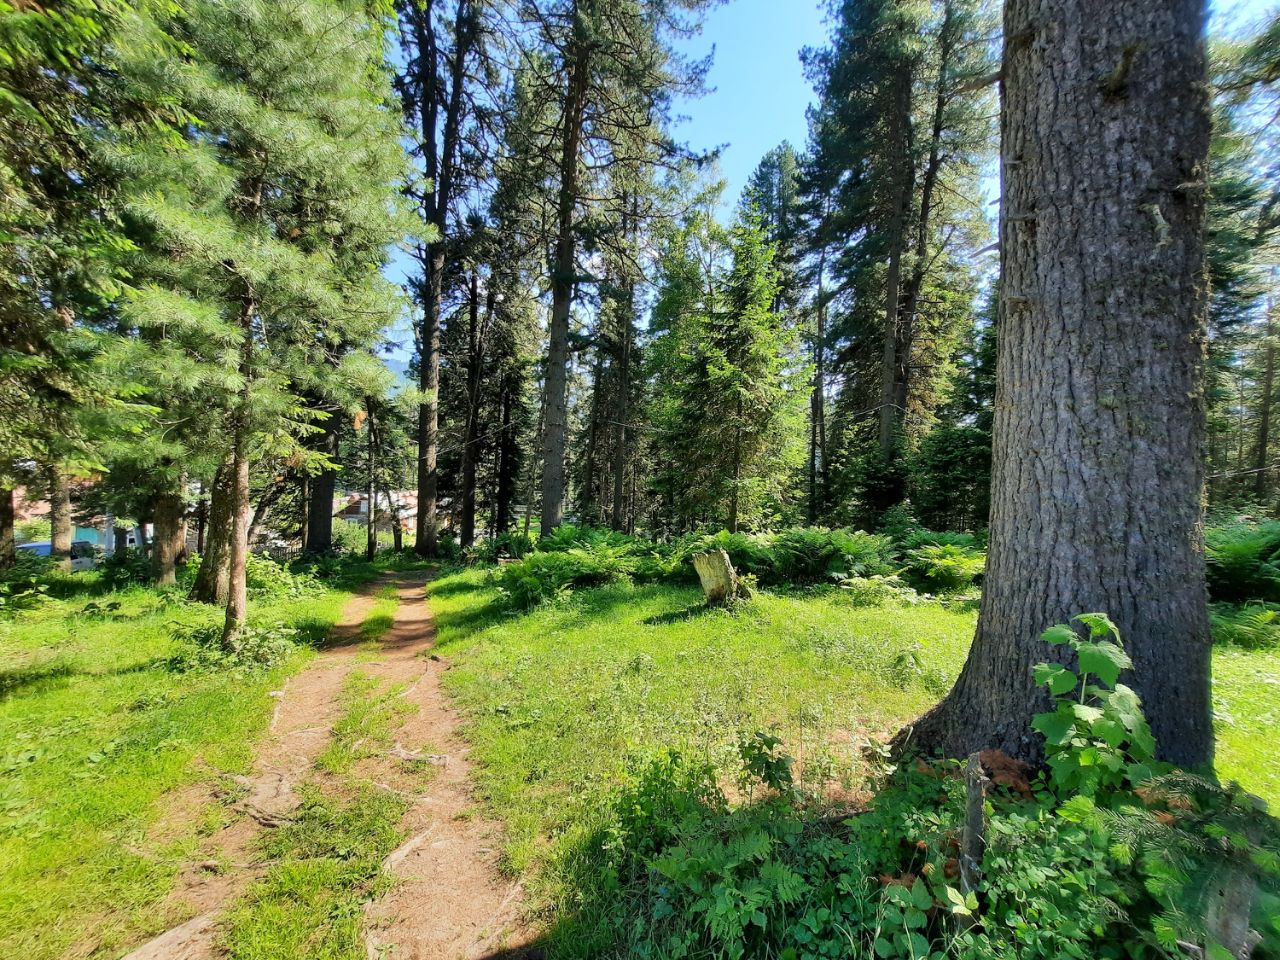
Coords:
1099,412
61,528
168,510
213,577
8,542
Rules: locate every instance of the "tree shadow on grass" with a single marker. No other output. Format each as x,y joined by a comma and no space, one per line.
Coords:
530,951
59,672
692,612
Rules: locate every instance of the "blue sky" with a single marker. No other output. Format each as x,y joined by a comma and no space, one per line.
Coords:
761,93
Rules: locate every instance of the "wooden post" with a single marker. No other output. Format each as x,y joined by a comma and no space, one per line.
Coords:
973,838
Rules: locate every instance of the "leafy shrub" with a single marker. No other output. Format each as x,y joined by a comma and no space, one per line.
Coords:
813,554
1097,738
944,568
25,583
257,648
1111,856
265,577
33,530
1242,561
543,576
125,568
937,538
506,545
876,590
1255,626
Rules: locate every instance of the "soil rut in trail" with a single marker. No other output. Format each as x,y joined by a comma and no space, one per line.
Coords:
450,902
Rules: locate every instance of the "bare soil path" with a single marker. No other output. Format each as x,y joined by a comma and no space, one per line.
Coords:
450,901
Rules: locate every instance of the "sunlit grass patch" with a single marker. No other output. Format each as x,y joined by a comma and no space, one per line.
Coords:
326,864
371,711
95,730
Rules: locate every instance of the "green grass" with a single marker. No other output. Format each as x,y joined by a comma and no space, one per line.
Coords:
327,865
370,714
94,731
1246,703
559,700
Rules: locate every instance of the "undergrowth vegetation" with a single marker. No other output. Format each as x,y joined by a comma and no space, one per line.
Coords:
686,782
574,557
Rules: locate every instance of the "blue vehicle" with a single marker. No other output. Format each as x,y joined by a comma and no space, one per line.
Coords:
83,554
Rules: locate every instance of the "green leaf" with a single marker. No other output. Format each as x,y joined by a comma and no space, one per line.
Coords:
1056,728
1105,660
1099,625
1060,635
1059,679
955,901
920,895
1111,731
1088,714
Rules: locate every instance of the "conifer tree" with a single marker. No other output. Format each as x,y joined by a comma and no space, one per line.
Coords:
263,232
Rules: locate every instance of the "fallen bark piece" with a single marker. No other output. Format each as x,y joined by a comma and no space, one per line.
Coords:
191,941
719,579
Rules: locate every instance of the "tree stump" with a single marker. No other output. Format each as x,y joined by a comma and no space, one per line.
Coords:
719,581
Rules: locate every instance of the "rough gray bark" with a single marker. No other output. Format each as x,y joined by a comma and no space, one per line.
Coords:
62,530
555,429
167,510
1098,436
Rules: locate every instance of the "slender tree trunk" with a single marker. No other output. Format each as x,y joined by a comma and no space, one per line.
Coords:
168,509
320,490
8,540
121,536
818,400
737,473
202,520
589,502
213,579
304,494
238,548
620,458
397,532
1099,415
531,482
265,503
890,414
471,429
555,430
371,528
506,462
928,184
440,160
62,530
1261,459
